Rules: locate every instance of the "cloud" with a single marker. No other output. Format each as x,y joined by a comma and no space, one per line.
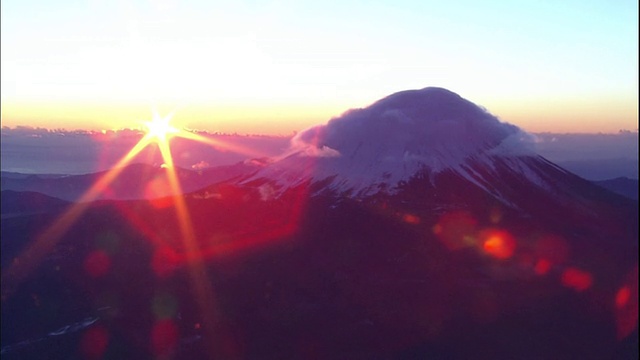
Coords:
410,125
518,144
200,165
306,144
324,151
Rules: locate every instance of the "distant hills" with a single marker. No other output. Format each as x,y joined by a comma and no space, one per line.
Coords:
17,203
135,181
623,186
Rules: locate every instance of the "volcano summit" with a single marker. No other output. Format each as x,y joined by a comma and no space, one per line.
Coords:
433,134
427,131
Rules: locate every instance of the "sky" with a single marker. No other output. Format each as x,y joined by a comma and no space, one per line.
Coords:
275,67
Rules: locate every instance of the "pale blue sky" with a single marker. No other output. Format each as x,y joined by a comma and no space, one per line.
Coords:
282,65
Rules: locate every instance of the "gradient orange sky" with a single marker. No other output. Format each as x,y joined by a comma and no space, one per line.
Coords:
275,67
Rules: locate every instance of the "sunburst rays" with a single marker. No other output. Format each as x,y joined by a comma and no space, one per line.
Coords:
199,281
28,261
159,128
159,133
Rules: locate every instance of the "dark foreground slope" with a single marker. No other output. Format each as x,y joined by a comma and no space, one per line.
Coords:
323,277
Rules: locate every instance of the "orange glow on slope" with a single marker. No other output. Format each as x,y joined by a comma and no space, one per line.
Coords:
97,263
576,279
622,296
164,338
553,249
542,267
626,305
164,261
495,215
94,342
411,219
498,243
157,191
456,230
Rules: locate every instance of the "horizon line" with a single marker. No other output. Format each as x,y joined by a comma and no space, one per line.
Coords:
236,133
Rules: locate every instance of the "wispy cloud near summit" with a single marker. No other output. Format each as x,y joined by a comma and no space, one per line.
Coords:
413,123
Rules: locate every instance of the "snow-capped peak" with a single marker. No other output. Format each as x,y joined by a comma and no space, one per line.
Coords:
429,129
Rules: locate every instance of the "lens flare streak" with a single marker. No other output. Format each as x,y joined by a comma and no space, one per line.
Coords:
197,270
160,133
219,144
45,241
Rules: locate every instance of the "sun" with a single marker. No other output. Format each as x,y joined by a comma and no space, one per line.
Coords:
159,128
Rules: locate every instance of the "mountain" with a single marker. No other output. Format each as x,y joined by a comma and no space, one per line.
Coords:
594,157
420,131
20,203
16,175
622,185
135,181
413,133
602,169
430,134
420,227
